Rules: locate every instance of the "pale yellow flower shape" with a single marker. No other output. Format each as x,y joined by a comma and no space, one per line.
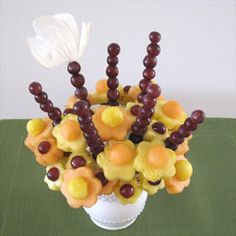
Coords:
154,161
170,113
117,160
69,135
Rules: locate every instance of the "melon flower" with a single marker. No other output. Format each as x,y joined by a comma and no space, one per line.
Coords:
47,152
58,40
170,113
181,180
149,186
128,192
117,160
154,161
69,135
37,129
112,122
80,187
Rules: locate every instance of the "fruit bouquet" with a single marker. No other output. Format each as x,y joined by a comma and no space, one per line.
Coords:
118,141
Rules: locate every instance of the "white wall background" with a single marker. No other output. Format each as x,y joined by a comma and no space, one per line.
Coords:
197,64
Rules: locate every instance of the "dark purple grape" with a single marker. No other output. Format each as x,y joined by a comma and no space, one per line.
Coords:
137,130
170,144
149,62
149,73
143,84
126,88
99,148
102,178
53,174
35,88
55,113
113,49
112,61
112,83
56,122
44,147
77,80
81,93
113,95
149,102
68,111
198,116
144,113
135,138
127,190
159,128
153,50
81,108
41,97
46,106
153,90
140,97
155,37
184,131
155,183
190,124
135,110
77,161
67,154
143,122
85,120
112,71
73,68
176,138
86,126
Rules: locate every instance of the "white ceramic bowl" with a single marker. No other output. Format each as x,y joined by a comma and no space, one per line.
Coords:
108,213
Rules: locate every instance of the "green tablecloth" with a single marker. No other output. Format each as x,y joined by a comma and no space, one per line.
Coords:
206,207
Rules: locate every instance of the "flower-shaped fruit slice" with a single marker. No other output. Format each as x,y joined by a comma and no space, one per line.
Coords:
80,187
127,192
117,160
69,135
79,159
150,186
154,161
47,152
54,176
112,122
37,130
170,113
181,180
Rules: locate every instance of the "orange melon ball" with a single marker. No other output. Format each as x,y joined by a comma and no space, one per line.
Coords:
70,130
101,86
172,109
158,156
120,154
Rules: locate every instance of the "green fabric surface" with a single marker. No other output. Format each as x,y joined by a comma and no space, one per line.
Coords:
206,207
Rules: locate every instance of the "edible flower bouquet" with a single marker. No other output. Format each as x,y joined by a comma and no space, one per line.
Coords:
119,140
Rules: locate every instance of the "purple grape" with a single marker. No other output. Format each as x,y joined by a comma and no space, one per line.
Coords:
55,113
81,108
77,161
53,174
126,88
81,93
176,138
135,110
155,37
73,68
113,95
102,178
35,88
143,84
140,97
68,111
153,50
159,128
77,80
112,83
135,138
41,97
149,74
112,71
149,102
44,147
190,124
155,183
149,62
184,131
113,49
46,106
127,190
170,144
153,90
198,116
112,60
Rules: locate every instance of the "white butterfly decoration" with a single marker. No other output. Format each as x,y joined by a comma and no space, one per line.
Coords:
57,40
